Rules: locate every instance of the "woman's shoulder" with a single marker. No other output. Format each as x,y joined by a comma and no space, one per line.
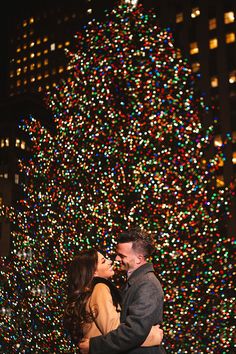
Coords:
100,293
104,288
100,280
100,285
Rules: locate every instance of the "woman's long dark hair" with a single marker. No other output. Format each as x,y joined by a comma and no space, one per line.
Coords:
80,287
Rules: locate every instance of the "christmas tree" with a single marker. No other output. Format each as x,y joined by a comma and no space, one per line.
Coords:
129,149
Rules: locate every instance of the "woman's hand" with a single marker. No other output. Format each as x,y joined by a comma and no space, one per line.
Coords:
154,337
84,346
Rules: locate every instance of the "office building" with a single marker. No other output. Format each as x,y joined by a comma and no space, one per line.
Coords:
204,30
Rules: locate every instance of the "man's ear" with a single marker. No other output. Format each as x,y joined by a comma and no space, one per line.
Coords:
140,258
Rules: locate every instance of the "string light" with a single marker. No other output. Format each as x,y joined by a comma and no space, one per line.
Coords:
128,149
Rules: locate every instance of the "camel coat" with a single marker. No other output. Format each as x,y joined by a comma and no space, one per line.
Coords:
106,317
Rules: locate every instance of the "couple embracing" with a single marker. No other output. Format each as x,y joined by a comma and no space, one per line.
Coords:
100,318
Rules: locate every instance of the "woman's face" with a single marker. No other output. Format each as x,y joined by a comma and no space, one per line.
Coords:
104,267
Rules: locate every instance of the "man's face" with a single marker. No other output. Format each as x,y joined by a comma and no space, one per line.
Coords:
129,260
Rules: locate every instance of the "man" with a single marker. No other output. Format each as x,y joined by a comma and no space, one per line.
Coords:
142,305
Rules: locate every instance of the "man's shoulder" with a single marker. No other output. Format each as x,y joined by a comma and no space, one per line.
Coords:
144,271
147,278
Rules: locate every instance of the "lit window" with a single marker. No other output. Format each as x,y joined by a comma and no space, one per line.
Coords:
25,35
179,17
213,43
32,66
178,53
39,64
22,144
214,81
25,46
25,82
194,48
18,50
38,41
32,55
18,61
24,24
228,17
45,62
230,37
3,175
234,137
25,69
40,89
195,67
31,20
18,83
59,46
45,39
46,74
17,178
32,79
4,142
53,46
232,77
67,43
61,69
17,142
38,54
11,73
234,158
132,2
221,162
18,71
32,44
212,23
220,181
195,12
25,59
1,200
89,11
39,77
45,51
218,141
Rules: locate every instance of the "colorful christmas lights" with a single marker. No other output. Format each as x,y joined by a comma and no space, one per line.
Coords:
128,149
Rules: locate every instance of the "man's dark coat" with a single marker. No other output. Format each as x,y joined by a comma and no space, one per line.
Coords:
142,307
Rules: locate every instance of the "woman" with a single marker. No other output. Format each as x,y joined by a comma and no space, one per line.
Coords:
93,304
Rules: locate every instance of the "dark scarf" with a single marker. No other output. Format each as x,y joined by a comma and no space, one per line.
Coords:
115,293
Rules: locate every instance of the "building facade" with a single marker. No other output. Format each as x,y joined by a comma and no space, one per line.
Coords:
204,30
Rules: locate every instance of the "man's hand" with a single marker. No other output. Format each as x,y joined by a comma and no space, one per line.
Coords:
154,337
84,346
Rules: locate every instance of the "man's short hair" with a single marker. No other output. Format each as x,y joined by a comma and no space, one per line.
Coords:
142,241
